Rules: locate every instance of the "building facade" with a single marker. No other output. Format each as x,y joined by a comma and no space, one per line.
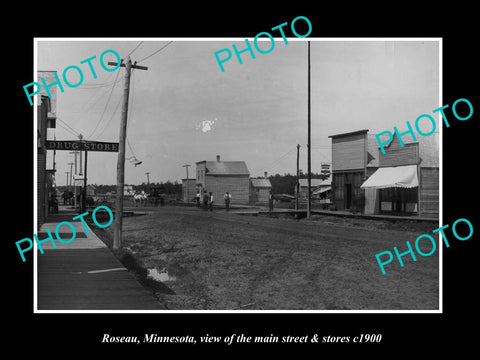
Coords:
403,181
189,190
42,175
317,187
353,161
259,190
219,177
46,124
407,179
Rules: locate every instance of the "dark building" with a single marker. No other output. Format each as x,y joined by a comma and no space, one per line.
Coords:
45,177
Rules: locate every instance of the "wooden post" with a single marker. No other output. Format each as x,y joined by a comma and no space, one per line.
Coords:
188,181
80,172
84,192
297,184
309,205
117,236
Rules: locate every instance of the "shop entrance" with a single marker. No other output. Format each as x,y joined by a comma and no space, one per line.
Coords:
348,196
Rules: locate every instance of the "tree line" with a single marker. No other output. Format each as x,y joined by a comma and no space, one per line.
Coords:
163,188
281,184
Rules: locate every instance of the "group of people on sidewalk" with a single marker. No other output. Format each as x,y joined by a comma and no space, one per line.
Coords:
208,200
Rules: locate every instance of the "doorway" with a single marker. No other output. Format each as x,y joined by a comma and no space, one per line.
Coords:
348,196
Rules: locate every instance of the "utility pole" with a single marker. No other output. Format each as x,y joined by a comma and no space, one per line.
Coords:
148,178
72,184
76,152
71,173
80,172
84,192
117,237
297,184
309,145
66,182
188,181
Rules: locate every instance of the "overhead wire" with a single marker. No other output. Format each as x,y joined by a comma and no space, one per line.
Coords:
109,120
106,105
130,110
71,128
276,162
136,47
67,129
155,52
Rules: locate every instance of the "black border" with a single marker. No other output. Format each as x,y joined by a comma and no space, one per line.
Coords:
406,333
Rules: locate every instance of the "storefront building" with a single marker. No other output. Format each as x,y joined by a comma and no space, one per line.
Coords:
407,179
352,163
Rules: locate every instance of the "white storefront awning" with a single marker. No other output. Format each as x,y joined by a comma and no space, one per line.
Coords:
397,176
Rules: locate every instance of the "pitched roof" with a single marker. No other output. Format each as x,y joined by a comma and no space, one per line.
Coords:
261,183
226,168
349,134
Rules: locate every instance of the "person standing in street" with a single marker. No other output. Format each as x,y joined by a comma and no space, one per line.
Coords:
197,198
205,200
227,198
210,202
270,202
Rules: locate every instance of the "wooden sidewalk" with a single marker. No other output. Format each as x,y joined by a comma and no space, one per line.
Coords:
348,214
84,274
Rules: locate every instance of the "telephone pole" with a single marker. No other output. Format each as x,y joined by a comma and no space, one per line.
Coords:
74,182
80,172
117,237
297,184
84,191
76,152
71,172
188,181
309,145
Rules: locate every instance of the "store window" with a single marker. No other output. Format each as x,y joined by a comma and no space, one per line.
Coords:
339,184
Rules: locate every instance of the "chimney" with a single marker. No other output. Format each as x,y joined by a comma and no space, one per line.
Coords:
218,158
265,174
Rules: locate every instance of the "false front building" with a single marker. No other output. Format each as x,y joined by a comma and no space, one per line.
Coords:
407,179
353,160
404,181
219,177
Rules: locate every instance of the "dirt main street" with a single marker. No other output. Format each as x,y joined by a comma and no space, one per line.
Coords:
224,261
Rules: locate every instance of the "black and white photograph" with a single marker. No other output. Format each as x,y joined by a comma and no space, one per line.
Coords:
254,182
229,180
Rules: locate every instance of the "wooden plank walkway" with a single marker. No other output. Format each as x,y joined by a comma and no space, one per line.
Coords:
303,213
85,275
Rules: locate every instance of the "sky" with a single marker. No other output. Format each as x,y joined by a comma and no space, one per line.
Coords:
184,109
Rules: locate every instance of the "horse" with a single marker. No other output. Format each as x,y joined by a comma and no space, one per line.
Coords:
140,197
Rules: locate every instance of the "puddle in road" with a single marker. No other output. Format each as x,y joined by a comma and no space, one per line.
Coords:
161,276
